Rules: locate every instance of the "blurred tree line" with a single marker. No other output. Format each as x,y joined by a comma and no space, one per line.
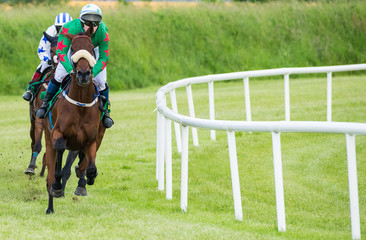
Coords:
16,2
50,2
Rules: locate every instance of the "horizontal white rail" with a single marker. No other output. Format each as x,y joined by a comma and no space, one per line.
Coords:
275,127
267,126
259,73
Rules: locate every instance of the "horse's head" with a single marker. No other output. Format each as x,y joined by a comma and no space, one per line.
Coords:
82,50
53,41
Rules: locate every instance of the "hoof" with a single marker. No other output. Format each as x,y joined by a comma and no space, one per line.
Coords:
57,193
49,211
91,174
30,171
80,191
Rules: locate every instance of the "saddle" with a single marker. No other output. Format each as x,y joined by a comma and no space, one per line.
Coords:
35,87
65,83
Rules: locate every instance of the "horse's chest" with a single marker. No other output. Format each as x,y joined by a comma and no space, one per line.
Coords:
80,135
79,130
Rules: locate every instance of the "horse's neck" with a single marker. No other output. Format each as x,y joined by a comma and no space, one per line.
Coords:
81,94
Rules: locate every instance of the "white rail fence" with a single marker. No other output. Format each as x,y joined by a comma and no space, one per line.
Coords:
166,115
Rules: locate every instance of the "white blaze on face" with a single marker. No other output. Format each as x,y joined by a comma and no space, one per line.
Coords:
83,54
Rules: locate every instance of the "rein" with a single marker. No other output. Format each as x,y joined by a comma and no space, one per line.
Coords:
80,36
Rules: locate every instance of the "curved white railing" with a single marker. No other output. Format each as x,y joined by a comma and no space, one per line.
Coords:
166,115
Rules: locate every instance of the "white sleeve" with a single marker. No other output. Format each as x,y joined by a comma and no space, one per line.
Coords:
44,47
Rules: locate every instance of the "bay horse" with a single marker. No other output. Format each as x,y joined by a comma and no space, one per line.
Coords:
36,129
76,121
37,124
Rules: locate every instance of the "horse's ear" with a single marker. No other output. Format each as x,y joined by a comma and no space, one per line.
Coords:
50,38
69,36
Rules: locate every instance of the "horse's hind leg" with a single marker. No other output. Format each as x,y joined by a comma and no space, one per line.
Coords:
80,189
36,145
66,170
43,165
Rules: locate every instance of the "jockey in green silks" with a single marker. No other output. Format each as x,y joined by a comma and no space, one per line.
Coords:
90,17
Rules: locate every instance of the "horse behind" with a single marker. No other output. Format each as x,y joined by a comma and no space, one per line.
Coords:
76,122
37,124
36,129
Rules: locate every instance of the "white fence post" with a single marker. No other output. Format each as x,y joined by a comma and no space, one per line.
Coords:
287,97
235,175
168,158
329,96
247,99
160,150
191,113
184,169
211,101
280,199
353,186
173,101
157,144
163,146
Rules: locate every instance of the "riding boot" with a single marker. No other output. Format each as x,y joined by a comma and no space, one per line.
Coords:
52,89
28,95
107,121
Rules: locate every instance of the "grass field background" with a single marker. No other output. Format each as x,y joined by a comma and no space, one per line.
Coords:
153,45
124,203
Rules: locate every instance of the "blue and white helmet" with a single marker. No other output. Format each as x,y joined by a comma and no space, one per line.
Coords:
62,18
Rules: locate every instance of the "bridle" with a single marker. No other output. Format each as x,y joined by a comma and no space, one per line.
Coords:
83,77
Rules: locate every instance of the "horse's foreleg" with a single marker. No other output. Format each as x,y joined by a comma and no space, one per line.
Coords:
51,160
60,146
91,171
66,170
88,163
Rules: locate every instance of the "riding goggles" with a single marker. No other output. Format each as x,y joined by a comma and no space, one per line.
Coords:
89,23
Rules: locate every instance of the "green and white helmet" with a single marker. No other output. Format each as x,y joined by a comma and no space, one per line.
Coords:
91,13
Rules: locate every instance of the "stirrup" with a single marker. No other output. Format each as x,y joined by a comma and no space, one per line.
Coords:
28,95
107,121
41,112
